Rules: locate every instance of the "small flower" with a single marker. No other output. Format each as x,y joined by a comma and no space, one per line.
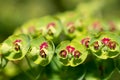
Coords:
42,54
85,42
52,24
63,53
43,45
17,44
96,45
51,28
105,41
77,54
71,27
112,44
112,26
70,49
97,26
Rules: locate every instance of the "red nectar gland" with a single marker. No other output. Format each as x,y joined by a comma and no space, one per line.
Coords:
63,53
70,49
17,44
42,54
77,54
44,45
105,41
85,42
96,45
112,45
52,24
71,27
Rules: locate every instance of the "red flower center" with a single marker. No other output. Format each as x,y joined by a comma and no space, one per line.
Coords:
77,54
96,45
70,49
52,24
112,45
43,45
105,41
63,53
85,42
16,44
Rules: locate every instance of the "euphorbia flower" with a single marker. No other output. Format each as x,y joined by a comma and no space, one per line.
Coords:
96,45
15,47
71,53
41,51
85,42
105,41
77,54
17,44
71,27
112,26
112,44
52,24
43,45
97,26
42,54
70,49
63,53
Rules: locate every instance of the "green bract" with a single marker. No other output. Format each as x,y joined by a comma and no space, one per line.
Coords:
105,45
47,26
71,53
72,24
41,51
15,47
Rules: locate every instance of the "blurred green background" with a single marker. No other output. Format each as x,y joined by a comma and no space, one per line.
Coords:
14,13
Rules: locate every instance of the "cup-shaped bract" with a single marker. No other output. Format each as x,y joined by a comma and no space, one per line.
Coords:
15,47
105,45
41,51
72,23
47,26
71,53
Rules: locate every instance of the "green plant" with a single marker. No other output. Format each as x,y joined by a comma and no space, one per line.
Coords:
71,45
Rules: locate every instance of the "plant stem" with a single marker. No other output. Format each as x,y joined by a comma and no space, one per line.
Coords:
38,76
25,72
30,66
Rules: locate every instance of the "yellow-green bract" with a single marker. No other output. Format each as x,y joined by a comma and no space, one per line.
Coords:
41,51
15,47
47,26
71,53
105,45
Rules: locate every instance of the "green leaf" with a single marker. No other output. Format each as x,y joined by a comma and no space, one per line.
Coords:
41,51
15,47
